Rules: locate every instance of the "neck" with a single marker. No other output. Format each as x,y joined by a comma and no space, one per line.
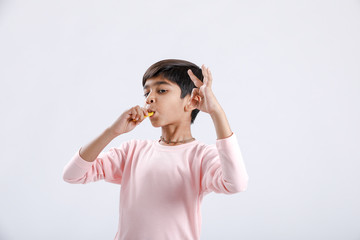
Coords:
175,134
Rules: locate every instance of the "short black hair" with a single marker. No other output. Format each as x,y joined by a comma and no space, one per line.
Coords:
175,70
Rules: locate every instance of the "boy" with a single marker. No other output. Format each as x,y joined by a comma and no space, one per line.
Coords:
163,182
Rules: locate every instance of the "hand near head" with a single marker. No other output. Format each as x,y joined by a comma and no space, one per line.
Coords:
202,97
128,120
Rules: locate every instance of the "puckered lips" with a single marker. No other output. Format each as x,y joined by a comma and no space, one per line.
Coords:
151,111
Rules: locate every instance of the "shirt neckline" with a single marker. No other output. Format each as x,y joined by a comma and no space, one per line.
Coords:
176,147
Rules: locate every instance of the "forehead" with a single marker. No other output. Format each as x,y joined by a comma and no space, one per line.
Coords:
157,81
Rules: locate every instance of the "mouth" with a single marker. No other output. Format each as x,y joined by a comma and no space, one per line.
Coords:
153,113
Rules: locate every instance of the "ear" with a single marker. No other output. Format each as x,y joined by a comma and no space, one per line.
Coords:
193,101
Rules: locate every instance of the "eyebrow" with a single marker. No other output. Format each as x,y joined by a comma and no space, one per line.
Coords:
156,84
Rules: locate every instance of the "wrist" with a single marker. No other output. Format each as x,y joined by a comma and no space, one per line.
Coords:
111,133
217,112
221,124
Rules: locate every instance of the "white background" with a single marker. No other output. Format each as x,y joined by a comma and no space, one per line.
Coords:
287,74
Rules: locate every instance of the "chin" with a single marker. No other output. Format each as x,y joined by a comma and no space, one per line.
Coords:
155,124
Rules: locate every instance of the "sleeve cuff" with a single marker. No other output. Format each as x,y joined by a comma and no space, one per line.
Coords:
80,162
228,140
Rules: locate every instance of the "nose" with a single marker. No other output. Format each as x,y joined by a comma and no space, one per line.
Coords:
150,99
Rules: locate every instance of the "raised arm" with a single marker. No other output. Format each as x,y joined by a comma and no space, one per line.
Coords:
91,164
90,151
223,170
204,99
122,125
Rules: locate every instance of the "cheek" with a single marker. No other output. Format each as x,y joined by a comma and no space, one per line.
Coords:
172,105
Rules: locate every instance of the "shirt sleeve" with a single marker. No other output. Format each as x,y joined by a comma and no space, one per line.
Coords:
108,166
223,168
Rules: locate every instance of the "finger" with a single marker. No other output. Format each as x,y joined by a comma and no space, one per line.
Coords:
204,72
196,95
194,92
145,112
195,80
139,114
133,113
128,112
210,78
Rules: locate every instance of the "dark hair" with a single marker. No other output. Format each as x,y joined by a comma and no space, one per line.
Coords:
175,70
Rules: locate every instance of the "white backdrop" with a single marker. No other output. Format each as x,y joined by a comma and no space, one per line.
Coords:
287,74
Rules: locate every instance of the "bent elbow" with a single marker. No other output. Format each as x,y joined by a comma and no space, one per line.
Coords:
232,188
71,179
74,181
241,186
242,189
67,179
65,176
244,185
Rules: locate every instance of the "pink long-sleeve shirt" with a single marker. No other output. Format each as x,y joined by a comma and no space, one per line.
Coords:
162,187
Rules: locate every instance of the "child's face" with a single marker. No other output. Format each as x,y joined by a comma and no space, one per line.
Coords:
163,98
